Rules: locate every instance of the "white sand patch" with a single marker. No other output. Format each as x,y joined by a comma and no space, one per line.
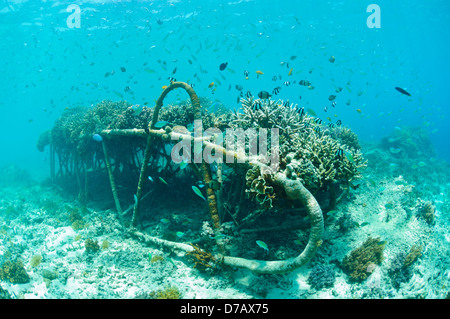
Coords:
59,237
38,291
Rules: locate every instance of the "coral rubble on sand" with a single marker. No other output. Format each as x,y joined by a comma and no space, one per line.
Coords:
386,227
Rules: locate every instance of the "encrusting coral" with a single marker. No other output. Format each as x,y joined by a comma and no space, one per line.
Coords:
321,276
44,140
91,245
14,272
411,142
35,260
427,212
169,292
360,262
400,270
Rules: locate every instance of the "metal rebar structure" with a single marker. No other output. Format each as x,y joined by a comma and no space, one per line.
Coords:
293,188
73,166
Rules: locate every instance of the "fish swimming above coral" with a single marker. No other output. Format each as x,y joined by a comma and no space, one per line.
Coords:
264,95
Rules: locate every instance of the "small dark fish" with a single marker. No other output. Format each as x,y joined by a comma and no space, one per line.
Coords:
174,71
304,82
276,90
317,129
246,73
123,69
274,78
331,97
239,87
171,79
340,153
300,111
287,83
325,108
159,21
318,121
223,66
339,89
331,125
256,106
402,91
264,95
333,104
286,104
248,94
293,57
338,122
127,89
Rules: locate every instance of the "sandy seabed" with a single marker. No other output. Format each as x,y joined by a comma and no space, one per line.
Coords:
122,266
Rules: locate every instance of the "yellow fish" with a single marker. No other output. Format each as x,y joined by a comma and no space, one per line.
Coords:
290,72
259,72
211,85
164,87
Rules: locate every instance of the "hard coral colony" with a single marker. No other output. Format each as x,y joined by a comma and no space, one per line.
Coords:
309,159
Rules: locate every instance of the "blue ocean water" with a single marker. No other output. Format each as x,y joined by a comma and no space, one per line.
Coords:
54,57
48,66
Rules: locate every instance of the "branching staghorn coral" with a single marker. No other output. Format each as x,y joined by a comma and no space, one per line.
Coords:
315,153
269,114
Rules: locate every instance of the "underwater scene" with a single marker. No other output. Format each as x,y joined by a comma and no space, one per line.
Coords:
241,149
